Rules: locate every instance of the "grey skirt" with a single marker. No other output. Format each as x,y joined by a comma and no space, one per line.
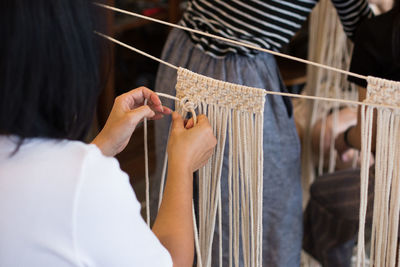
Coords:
282,211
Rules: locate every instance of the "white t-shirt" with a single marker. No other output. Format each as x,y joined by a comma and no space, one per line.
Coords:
64,204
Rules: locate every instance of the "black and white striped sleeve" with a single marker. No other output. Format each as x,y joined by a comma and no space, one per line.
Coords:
352,13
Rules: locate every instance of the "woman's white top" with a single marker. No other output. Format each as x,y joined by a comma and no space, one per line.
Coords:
65,204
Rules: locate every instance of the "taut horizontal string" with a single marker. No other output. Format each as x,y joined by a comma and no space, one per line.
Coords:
135,50
337,100
233,41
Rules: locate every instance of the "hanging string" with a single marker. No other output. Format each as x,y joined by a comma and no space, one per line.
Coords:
386,203
135,50
232,41
188,107
337,100
146,169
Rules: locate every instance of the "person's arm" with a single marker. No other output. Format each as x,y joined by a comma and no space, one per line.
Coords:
364,61
381,6
174,225
351,138
188,150
346,117
128,110
352,13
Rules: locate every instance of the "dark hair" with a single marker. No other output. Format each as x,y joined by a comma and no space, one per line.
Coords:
49,68
396,32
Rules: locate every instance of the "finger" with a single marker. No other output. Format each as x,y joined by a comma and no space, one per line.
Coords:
155,100
159,108
157,116
151,96
202,119
160,114
347,156
140,113
189,124
137,96
177,121
166,110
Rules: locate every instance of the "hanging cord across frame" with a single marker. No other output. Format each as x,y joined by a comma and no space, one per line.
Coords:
337,100
187,106
231,41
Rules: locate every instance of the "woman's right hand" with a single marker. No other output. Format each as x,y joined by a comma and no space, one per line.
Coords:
190,147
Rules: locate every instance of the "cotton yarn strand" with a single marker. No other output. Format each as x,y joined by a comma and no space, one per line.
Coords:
366,136
184,105
236,116
267,92
385,221
228,40
328,46
146,169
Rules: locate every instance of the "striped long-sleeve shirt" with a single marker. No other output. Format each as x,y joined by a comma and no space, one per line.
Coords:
264,23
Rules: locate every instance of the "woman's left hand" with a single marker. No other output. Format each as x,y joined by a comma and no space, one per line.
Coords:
128,110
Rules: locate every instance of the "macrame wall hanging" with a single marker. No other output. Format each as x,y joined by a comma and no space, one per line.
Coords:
386,206
236,115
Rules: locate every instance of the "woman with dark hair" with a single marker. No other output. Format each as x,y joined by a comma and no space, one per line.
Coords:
331,217
63,202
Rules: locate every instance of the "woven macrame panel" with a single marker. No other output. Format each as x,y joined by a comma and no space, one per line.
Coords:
236,115
383,92
385,221
202,89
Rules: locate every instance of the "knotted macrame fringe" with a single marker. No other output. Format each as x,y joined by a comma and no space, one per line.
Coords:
385,222
328,45
236,116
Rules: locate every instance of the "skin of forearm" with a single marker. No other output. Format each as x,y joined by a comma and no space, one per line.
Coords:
354,135
174,224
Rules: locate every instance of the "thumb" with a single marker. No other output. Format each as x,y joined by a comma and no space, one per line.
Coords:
177,121
140,113
202,119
